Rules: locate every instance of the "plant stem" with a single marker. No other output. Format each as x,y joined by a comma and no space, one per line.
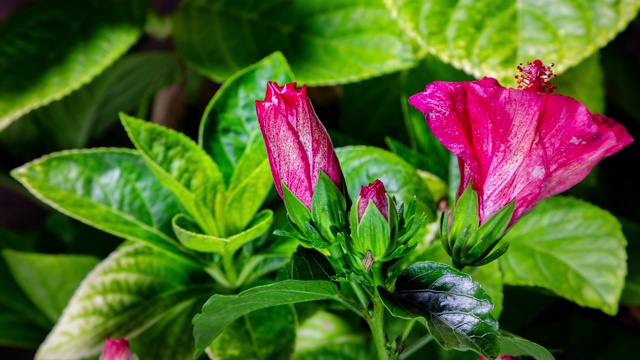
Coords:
376,324
229,268
336,253
407,330
409,350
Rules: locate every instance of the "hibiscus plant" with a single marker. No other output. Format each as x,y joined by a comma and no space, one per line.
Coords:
347,179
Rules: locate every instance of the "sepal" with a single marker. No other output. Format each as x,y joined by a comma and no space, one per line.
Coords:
328,208
464,240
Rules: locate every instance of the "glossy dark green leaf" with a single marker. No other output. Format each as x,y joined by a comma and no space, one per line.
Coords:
109,189
229,126
517,346
182,167
310,264
572,248
362,165
220,37
49,280
456,309
221,310
51,48
489,39
263,334
126,293
86,113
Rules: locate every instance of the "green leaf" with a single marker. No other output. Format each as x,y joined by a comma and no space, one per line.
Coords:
310,264
329,336
182,167
572,248
87,39
173,330
489,276
457,310
83,115
517,346
631,292
262,334
489,39
361,165
326,42
49,280
126,293
250,184
221,310
192,237
109,189
22,324
229,126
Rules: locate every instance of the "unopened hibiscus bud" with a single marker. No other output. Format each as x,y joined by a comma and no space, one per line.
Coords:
117,349
374,222
520,145
305,168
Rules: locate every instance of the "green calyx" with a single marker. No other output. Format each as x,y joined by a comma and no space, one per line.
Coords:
468,243
320,226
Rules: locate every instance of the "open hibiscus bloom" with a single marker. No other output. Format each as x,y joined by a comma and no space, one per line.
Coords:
522,144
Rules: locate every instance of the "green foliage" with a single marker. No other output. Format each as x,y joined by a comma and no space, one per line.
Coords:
362,165
572,248
489,39
262,334
110,189
182,167
229,126
129,291
49,280
87,40
219,311
370,43
86,113
457,310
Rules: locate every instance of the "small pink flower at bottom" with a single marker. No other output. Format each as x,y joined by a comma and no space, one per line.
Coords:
117,349
503,357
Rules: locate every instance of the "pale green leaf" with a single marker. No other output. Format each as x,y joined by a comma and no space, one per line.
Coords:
250,184
572,248
517,346
192,237
109,189
220,310
182,167
126,293
49,280
328,336
50,48
326,42
488,38
229,126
